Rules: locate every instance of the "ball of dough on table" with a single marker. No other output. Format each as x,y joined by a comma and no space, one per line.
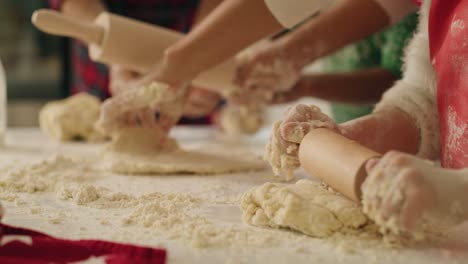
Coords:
72,118
240,120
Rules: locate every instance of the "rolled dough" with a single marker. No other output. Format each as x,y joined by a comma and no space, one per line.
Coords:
141,150
307,207
72,118
134,153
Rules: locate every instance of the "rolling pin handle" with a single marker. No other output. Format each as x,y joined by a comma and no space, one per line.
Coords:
56,23
336,160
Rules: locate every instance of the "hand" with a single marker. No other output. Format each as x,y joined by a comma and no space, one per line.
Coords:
156,106
282,149
264,69
400,190
200,102
300,119
121,79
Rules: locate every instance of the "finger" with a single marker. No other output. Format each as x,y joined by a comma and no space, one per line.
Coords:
412,209
370,164
393,198
293,131
417,197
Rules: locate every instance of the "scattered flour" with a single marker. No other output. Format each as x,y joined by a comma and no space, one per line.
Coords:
176,216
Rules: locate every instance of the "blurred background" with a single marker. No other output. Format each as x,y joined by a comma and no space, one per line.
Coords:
35,63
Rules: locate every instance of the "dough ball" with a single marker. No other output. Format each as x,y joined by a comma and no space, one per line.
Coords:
307,207
72,118
237,121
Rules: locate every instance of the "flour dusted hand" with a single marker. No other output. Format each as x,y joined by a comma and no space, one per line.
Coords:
287,134
405,194
153,107
264,69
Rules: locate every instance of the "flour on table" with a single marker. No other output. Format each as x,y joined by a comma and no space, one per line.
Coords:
173,216
307,207
72,118
135,153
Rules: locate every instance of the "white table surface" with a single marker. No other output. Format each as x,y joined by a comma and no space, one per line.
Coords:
26,145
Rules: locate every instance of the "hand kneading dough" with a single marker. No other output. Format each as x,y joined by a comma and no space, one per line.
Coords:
149,151
134,153
72,118
307,207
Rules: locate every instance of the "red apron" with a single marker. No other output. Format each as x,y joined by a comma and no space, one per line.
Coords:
448,39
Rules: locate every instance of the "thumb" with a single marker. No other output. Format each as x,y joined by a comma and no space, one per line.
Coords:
295,131
370,164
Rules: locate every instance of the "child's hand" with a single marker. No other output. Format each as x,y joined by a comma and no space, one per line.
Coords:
400,187
200,102
121,79
283,147
264,69
149,107
300,119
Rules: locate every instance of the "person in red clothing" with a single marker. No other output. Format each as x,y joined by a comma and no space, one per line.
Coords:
423,116
103,80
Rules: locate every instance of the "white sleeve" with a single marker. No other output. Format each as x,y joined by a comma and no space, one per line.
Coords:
415,93
397,9
291,13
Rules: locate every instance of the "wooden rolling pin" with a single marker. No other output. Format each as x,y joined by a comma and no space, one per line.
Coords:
336,160
114,39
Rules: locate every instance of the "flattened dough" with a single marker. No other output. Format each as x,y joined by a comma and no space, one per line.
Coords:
126,155
307,207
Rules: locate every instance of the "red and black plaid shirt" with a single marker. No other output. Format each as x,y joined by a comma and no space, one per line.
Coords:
91,77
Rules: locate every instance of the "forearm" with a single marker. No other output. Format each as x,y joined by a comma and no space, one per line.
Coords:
85,10
344,23
360,86
205,7
232,26
389,129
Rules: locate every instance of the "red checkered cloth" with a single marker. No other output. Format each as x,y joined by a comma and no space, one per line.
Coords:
23,246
